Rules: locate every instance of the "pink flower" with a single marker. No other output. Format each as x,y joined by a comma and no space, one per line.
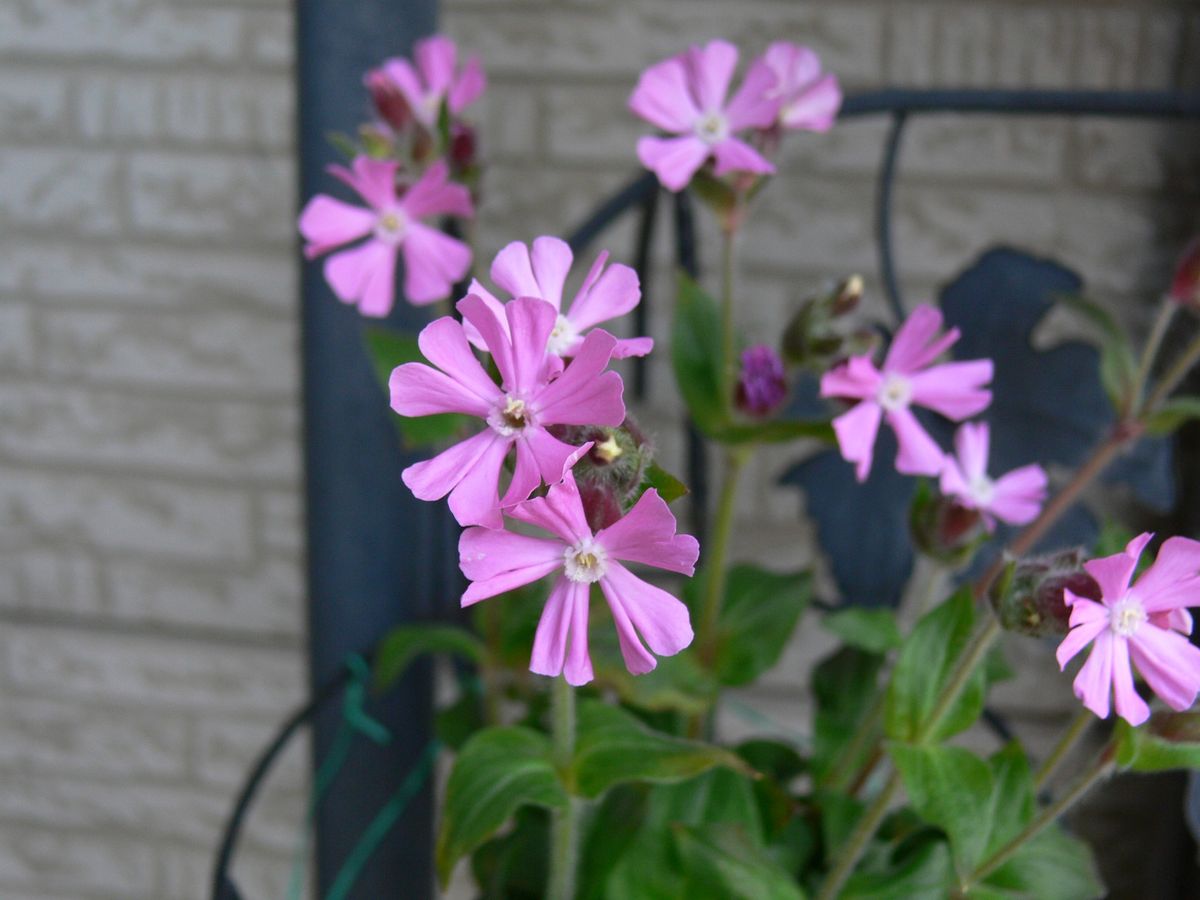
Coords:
1015,498
762,385
1143,624
907,378
435,79
605,293
365,275
497,561
809,99
686,96
516,412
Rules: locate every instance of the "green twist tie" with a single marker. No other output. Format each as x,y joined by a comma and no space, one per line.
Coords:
354,707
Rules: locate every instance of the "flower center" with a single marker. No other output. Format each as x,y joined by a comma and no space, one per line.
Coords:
390,226
586,562
1126,616
511,418
983,491
895,392
712,127
561,337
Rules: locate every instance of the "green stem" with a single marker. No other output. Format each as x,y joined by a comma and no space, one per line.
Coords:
728,363
854,757
1154,340
1100,770
1183,364
1073,733
564,834
716,564
852,850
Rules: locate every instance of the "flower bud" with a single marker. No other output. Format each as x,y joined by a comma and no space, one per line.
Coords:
610,473
943,529
814,337
388,100
761,387
1185,286
846,297
1028,596
463,146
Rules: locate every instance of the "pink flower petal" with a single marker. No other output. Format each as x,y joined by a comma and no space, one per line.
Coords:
1170,663
856,430
1093,684
755,104
646,534
662,620
560,512
550,640
815,108
365,276
469,87
327,223
551,259
553,457
954,389
433,479
673,160
585,394
733,155
856,378
710,70
1173,580
526,477
914,345
1079,637
489,299
405,77
434,195
662,97
492,327
512,269
627,347
484,553
794,64
1130,707
953,482
1112,573
919,453
444,343
1175,619
418,390
971,444
578,667
475,500
613,293
1019,495
530,321
433,262
373,179
436,58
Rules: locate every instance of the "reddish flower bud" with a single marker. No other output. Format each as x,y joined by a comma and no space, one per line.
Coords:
388,100
463,146
943,529
1028,596
761,387
1185,286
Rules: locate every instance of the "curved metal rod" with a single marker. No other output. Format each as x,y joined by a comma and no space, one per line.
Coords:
883,216
1133,104
633,193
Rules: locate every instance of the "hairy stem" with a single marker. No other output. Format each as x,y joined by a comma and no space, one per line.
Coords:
728,266
1174,375
1074,732
1158,331
717,563
564,833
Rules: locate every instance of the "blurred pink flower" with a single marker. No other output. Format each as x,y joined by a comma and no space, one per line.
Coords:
908,378
365,275
435,78
809,99
1143,624
686,96
761,386
1015,497
497,561
605,294
517,411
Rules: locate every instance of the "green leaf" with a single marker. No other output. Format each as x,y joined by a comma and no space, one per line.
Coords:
612,747
455,724
405,643
721,861
1172,414
758,616
1169,740
343,144
498,771
612,827
388,349
696,356
845,686
513,867
923,669
773,758
925,874
775,431
953,789
676,684
1053,864
668,486
839,814
872,630
1118,365
1013,803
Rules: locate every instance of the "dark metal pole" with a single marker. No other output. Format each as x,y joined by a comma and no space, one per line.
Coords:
375,555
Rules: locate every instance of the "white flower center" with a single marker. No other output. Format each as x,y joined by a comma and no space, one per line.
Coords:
712,127
895,392
586,562
390,226
562,337
1126,616
983,491
511,417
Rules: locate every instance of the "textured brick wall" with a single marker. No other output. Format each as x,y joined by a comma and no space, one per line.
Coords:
150,616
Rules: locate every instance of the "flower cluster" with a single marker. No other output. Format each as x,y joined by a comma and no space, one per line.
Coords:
553,375
403,172
687,96
910,377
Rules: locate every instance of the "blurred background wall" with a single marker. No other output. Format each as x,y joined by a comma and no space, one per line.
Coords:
151,613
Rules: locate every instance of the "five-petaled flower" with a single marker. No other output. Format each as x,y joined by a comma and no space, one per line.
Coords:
436,78
517,411
686,97
646,616
809,98
1015,497
365,275
606,293
908,378
1142,623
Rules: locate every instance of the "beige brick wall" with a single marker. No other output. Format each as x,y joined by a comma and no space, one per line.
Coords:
150,543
